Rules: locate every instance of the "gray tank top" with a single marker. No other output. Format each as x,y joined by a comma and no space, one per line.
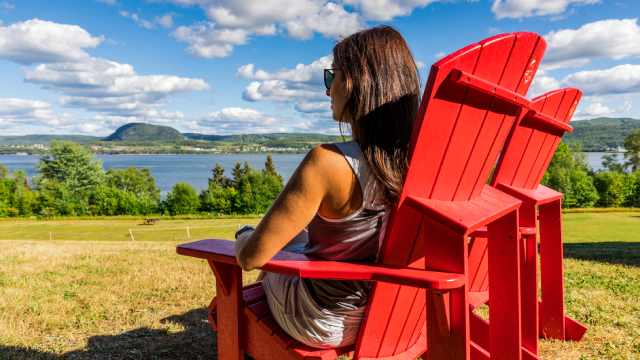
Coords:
355,238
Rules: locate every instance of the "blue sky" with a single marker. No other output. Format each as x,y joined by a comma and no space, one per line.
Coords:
246,66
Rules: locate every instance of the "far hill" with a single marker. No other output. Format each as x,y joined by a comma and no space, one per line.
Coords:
144,132
601,134
265,138
44,139
605,121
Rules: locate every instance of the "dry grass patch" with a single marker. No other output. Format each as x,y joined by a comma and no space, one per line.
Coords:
104,300
124,299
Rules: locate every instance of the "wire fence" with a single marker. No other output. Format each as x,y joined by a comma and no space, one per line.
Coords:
225,231
178,228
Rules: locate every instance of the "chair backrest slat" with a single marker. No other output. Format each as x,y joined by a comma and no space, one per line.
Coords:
532,143
456,140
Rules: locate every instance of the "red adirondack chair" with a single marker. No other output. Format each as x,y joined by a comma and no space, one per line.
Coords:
471,101
524,160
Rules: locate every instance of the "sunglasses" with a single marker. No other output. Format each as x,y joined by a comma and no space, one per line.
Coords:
329,74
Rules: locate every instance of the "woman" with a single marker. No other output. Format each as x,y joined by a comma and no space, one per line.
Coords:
341,192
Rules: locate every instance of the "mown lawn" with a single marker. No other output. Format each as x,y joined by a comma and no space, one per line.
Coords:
111,297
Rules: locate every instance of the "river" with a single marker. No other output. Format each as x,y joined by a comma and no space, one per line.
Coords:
196,169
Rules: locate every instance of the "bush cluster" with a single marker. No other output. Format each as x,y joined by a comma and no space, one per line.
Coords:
69,182
616,185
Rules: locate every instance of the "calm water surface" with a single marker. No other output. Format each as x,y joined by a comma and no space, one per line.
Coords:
196,169
169,169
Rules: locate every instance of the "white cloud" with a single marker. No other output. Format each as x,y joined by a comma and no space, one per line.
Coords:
420,64
21,109
611,39
15,113
516,9
236,120
298,19
386,10
166,20
109,87
38,41
207,41
621,79
440,55
597,110
312,73
93,129
7,6
542,85
493,30
1,23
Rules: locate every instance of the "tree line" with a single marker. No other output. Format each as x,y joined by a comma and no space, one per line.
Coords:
69,182
616,185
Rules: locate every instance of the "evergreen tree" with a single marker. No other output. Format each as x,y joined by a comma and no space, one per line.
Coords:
72,164
270,169
237,173
632,145
247,169
218,176
4,172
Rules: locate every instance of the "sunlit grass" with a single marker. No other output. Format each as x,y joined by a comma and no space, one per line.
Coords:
111,297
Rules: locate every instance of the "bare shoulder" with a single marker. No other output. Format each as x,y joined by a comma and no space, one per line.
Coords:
328,159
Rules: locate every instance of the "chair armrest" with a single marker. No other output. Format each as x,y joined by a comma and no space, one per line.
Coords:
303,266
464,217
539,196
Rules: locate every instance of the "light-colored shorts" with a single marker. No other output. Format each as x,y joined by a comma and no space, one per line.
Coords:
298,314
303,319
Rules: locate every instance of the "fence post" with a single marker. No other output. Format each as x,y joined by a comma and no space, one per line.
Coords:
188,232
131,235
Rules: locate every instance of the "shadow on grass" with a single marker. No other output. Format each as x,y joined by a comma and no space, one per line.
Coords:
623,253
197,341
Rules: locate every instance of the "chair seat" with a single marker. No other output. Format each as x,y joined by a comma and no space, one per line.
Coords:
256,311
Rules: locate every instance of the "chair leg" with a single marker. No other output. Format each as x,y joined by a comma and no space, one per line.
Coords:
529,293
504,293
230,317
552,324
446,250
529,279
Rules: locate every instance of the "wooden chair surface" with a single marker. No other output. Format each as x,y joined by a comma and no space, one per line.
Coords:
457,137
523,161
456,140
532,142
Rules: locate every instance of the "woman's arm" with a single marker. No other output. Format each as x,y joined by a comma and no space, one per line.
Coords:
322,180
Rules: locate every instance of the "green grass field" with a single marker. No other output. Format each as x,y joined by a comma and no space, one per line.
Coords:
92,292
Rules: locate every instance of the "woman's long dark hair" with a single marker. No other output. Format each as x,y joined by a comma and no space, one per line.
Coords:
382,88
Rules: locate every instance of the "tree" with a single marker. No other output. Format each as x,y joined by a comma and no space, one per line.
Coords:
72,164
4,172
632,145
610,188
218,177
610,163
137,181
270,168
570,174
182,200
